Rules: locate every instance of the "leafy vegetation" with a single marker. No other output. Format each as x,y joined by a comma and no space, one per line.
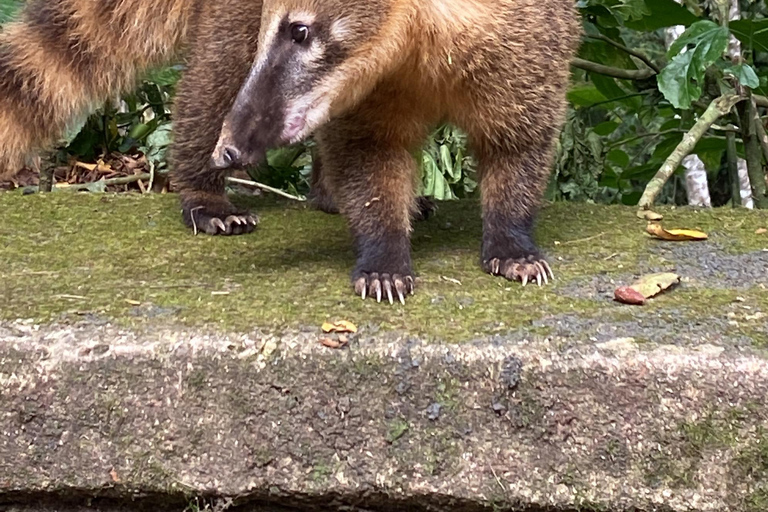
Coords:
631,103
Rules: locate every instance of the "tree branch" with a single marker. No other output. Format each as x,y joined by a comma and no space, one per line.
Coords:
718,108
623,74
629,51
753,153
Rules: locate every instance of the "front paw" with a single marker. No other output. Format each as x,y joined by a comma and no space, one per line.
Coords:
525,270
378,286
215,215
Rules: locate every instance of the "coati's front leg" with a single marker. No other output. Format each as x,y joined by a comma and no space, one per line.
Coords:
222,54
512,186
372,181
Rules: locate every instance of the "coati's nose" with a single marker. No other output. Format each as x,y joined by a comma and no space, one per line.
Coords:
226,154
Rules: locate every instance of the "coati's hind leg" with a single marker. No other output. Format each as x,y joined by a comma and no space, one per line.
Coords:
372,180
221,58
320,197
512,185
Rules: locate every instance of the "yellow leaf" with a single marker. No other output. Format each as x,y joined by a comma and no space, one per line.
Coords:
342,326
675,235
653,284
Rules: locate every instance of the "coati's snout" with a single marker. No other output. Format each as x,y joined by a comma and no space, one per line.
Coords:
275,103
297,78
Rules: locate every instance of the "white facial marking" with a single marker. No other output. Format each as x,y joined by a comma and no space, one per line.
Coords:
341,29
303,17
267,39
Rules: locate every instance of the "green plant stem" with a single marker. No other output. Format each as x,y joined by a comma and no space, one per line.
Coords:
645,136
718,108
648,62
623,74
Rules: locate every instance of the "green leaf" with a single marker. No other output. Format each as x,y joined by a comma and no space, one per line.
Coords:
753,34
632,9
681,80
585,96
618,157
606,128
663,13
745,74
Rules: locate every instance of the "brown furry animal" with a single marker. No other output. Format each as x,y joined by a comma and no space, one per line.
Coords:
62,58
372,76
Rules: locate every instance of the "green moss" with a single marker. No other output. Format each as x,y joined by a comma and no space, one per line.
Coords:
66,254
396,429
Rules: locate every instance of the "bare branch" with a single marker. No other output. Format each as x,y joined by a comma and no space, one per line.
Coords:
623,74
629,51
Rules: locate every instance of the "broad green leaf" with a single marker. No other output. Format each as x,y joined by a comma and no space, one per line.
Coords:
663,13
745,74
753,34
618,157
585,96
606,128
632,9
680,81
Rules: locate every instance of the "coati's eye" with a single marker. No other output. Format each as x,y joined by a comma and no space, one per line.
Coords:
299,33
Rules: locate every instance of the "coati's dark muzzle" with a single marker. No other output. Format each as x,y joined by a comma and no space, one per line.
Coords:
247,134
257,119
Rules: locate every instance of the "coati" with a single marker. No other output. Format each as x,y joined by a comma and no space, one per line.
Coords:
371,75
60,59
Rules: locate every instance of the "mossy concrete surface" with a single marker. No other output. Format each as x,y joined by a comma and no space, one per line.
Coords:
144,368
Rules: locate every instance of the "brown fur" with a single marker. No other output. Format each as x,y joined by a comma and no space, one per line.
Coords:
61,58
497,68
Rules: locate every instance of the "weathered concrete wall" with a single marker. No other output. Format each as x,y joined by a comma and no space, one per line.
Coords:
96,411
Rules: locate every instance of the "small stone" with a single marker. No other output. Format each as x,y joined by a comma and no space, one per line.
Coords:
433,411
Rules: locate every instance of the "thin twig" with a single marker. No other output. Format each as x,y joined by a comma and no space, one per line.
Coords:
718,108
266,188
580,240
623,74
631,52
123,180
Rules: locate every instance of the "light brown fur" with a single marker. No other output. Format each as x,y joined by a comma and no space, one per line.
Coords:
497,68
62,58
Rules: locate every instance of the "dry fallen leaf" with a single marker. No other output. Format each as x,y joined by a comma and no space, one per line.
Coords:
628,295
328,342
646,287
132,302
341,326
761,231
649,215
675,235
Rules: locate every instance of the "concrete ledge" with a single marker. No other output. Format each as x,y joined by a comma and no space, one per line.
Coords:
94,416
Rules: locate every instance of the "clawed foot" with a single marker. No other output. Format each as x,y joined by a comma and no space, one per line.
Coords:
215,215
525,270
388,286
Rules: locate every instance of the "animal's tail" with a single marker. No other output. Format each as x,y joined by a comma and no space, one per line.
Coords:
59,59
